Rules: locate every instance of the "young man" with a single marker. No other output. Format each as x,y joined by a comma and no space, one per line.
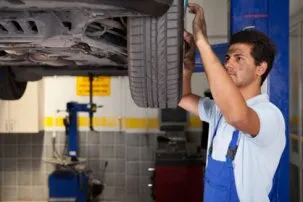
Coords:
247,132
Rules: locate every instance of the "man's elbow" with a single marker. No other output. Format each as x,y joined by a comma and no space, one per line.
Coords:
237,119
245,121
190,103
183,101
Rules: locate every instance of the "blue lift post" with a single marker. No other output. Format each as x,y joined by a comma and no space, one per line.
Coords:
272,18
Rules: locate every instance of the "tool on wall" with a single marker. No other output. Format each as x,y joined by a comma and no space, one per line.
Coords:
72,180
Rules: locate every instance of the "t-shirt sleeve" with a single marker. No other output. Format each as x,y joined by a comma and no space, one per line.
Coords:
206,108
272,124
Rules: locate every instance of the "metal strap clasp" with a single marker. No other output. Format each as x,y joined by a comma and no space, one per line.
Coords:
232,152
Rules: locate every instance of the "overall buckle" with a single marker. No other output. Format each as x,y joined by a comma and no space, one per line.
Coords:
231,152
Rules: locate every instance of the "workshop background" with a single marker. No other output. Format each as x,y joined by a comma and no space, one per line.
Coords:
126,136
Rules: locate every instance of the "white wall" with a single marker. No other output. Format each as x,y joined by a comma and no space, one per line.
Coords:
295,6
60,90
116,107
216,16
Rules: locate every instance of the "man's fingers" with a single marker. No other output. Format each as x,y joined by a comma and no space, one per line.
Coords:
188,37
189,57
197,10
190,54
194,8
189,64
189,43
185,36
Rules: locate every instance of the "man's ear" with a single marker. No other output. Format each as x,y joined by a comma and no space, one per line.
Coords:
261,69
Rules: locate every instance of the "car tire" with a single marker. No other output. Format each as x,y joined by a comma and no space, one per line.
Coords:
10,89
155,58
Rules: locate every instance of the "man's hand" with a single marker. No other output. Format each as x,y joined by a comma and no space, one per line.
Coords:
189,101
189,57
199,24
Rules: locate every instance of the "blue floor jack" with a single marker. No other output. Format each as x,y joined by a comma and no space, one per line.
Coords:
71,179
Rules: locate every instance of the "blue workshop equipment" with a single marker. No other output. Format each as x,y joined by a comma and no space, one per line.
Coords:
68,184
70,181
272,18
71,125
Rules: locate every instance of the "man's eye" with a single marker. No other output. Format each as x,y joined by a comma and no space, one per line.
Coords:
239,58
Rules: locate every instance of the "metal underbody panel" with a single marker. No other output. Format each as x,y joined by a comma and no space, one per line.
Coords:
74,34
62,38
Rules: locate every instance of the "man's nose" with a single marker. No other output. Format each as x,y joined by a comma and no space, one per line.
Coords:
228,64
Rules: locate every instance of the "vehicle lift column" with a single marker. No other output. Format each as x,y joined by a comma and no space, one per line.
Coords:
272,18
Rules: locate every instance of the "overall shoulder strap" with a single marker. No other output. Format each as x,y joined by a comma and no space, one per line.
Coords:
233,146
214,134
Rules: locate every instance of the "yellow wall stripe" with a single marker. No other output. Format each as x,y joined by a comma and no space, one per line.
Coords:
195,122
133,123
112,122
48,121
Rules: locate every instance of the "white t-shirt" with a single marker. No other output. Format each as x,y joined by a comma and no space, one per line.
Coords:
257,157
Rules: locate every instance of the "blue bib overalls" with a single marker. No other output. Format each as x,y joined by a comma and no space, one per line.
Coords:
219,182
219,177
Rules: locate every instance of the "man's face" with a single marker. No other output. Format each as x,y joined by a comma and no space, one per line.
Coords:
240,65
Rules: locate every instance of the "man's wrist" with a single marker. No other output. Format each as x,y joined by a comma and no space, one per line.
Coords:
202,43
187,74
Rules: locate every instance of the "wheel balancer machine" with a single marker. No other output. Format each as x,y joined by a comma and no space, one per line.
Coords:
71,180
